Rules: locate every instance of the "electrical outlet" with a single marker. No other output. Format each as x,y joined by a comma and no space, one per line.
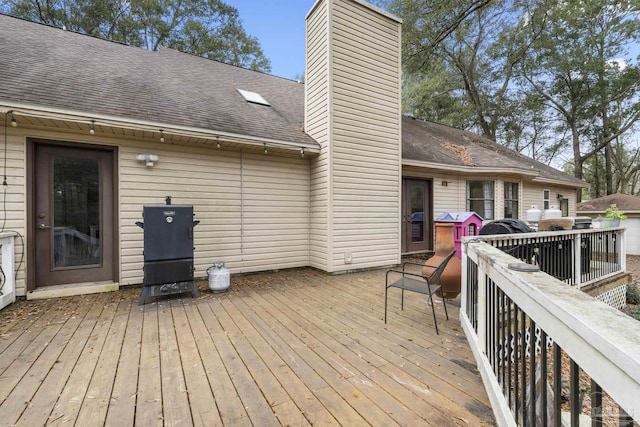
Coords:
348,258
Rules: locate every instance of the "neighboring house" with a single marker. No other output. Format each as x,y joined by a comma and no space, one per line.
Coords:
630,205
327,174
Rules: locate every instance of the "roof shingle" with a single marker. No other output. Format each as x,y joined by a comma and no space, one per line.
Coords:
78,72
625,203
57,68
436,143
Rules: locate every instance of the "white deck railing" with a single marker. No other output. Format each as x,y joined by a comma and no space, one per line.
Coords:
577,257
547,350
7,276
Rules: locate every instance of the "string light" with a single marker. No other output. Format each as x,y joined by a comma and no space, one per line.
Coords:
265,148
161,135
218,141
92,131
14,123
302,152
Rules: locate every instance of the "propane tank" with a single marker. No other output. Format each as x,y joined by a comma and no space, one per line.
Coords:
218,277
552,213
534,214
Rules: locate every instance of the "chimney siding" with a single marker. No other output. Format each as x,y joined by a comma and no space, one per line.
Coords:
353,110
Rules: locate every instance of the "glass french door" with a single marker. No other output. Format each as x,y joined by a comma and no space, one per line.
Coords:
73,216
416,215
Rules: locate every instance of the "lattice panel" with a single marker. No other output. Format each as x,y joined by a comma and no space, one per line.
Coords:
616,297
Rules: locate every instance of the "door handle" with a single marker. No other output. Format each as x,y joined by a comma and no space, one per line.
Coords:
43,226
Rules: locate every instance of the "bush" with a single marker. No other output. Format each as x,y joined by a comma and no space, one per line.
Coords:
635,313
633,294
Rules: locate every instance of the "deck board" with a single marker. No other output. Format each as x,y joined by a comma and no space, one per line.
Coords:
75,391
122,402
73,337
94,408
201,401
296,347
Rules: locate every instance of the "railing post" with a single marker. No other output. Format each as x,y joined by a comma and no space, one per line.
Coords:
482,308
577,260
622,249
464,280
7,249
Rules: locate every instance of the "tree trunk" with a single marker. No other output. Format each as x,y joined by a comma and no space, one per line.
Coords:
575,142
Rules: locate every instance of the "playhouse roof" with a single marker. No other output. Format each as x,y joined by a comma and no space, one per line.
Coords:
457,217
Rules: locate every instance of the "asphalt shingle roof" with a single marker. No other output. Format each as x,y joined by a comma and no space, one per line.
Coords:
436,143
625,203
40,64
49,66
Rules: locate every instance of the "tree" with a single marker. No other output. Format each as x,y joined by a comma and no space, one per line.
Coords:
573,67
463,56
208,28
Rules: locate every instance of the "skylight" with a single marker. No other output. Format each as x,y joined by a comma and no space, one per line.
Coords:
253,97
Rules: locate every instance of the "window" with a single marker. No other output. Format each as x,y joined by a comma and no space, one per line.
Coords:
480,197
564,207
546,199
511,200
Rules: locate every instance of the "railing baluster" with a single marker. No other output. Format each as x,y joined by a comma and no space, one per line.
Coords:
490,324
532,371
543,375
501,337
509,351
516,355
624,419
523,364
557,385
574,393
596,404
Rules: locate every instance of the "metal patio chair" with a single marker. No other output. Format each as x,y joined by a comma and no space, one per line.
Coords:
419,283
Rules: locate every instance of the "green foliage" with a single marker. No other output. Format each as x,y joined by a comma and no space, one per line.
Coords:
547,78
635,313
614,213
457,68
633,294
574,66
208,28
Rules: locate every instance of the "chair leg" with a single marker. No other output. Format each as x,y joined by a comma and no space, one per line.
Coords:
386,290
445,305
433,310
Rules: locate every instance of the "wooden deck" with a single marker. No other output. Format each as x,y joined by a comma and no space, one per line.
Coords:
290,348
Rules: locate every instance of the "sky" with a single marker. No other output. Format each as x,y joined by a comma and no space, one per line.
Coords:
279,26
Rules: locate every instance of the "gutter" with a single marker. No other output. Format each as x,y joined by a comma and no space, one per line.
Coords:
534,173
468,169
565,183
54,113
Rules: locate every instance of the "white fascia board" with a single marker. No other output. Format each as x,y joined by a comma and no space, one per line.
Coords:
56,113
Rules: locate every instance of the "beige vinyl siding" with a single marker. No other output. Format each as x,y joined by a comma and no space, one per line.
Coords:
13,215
317,125
275,212
253,208
453,196
365,136
533,196
449,198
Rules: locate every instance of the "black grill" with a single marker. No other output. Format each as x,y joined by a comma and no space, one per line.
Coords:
168,250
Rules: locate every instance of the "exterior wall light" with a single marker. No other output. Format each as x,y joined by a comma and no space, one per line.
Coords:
148,159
